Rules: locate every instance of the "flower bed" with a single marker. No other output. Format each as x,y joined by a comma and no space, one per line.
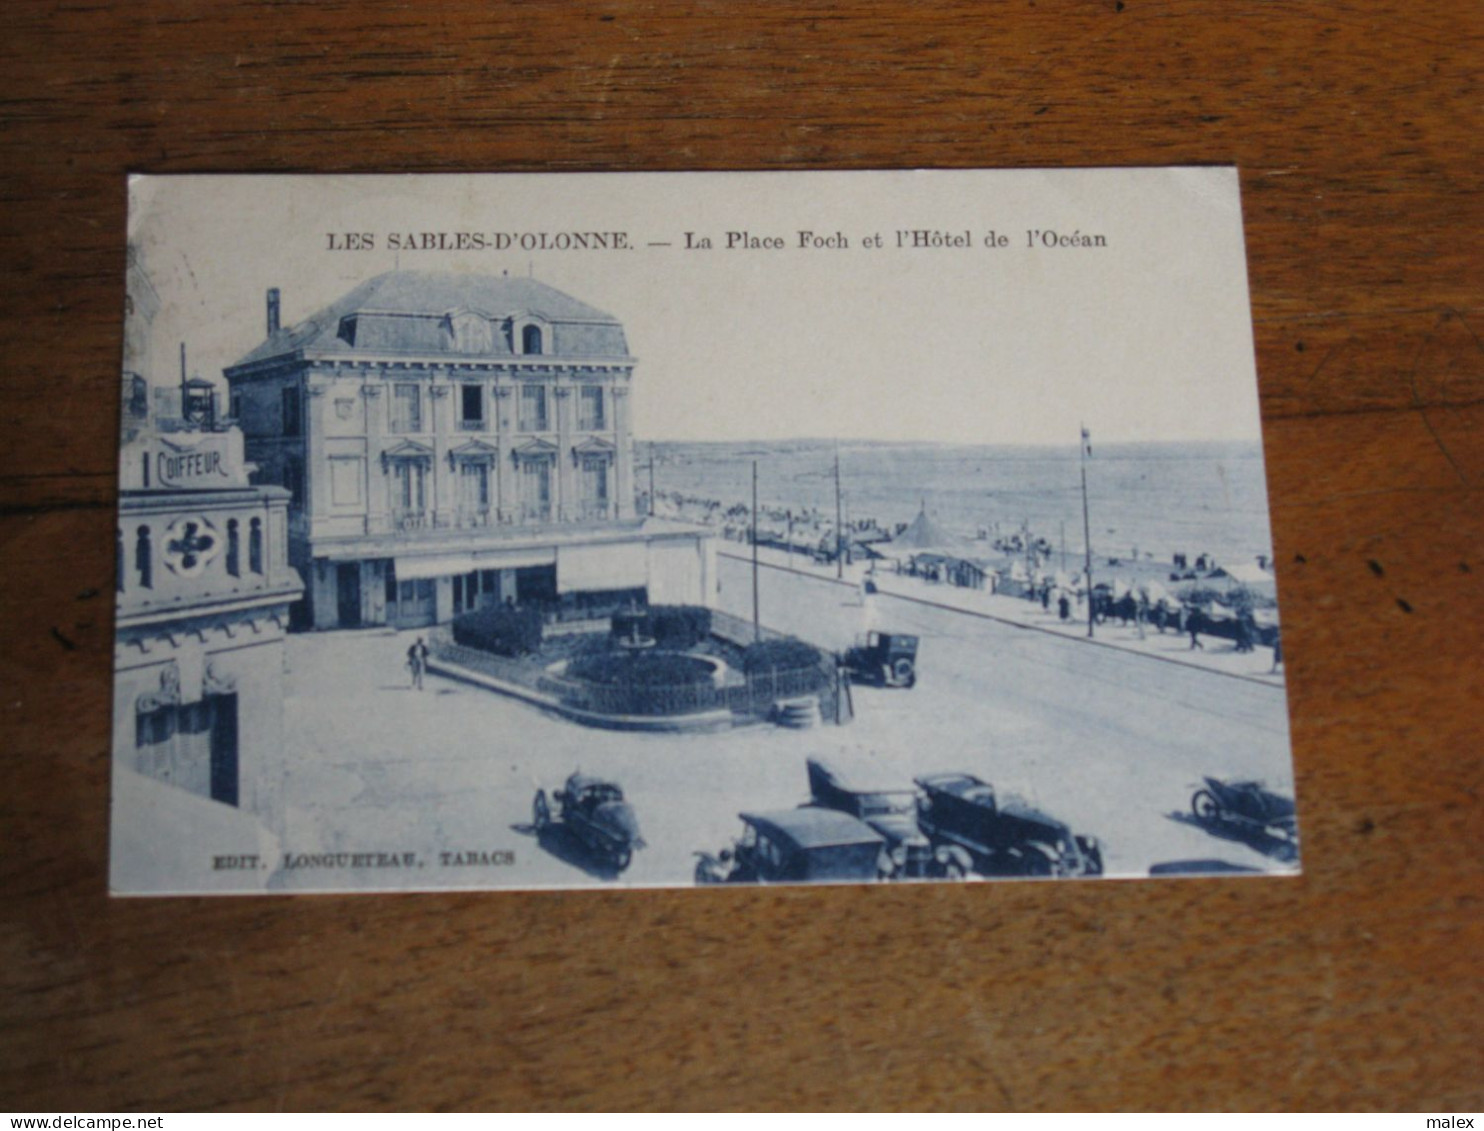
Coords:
653,669
592,671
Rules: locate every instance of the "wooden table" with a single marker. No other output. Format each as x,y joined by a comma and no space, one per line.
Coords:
1356,126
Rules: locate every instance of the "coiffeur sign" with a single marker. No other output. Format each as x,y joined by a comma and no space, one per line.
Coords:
206,463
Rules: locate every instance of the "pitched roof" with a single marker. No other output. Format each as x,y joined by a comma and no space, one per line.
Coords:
409,311
924,533
1246,573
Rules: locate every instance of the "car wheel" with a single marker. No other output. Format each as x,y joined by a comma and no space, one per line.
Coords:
902,671
1204,806
540,811
621,859
1037,860
952,863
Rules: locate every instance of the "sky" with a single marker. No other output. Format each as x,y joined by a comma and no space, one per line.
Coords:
1144,336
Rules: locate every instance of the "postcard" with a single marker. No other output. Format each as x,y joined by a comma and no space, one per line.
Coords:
684,529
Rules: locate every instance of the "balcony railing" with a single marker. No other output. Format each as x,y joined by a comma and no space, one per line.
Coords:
466,517
472,426
405,518
534,512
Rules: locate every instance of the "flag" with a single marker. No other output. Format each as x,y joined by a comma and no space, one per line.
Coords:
1086,441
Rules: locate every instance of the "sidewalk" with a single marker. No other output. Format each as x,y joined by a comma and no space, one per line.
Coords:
1216,655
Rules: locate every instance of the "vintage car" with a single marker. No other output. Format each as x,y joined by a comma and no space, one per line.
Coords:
886,659
889,809
973,831
592,811
1245,806
797,846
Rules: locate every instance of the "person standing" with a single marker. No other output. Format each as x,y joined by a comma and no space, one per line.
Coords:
1192,620
417,662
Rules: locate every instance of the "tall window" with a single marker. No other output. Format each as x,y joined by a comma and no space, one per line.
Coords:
590,414
293,479
471,408
255,545
535,488
409,491
533,408
144,558
293,415
407,409
234,548
120,563
595,486
530,339
474,490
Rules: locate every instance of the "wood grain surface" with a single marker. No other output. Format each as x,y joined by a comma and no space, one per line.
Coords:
1356,126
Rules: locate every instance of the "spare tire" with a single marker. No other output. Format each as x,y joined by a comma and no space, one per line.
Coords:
901,669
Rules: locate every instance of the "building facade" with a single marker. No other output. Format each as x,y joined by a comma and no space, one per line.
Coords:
203,589
452,441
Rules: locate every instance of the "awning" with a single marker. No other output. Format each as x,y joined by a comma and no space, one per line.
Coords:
449,565
612,565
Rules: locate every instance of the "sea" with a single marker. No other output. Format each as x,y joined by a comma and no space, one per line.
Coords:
1143,499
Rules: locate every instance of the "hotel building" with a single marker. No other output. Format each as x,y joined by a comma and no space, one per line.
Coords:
452,441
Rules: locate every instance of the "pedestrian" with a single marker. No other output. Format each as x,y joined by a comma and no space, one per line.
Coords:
417,662
1063,606
1277,652
1194,623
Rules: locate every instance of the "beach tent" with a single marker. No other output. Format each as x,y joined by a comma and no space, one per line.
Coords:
1154,593
925,533
1252,577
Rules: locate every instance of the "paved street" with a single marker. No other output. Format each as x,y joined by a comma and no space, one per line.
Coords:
1109,741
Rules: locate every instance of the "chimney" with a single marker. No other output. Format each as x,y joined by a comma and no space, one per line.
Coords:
272,311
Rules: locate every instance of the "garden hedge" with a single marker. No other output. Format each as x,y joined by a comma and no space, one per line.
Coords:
502,630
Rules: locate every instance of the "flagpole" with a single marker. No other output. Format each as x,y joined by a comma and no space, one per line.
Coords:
839,533
1087,528
757,624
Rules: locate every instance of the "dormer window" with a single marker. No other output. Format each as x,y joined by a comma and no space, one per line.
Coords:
530,340
472,333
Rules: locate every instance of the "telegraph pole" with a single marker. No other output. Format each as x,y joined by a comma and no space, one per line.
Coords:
1087,527
651,479
757,624
839,531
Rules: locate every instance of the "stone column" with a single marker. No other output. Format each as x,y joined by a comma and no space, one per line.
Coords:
376,489
503,489
441,491
566,494
316,465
